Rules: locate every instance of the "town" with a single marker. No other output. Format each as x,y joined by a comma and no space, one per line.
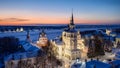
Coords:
97,48
59,33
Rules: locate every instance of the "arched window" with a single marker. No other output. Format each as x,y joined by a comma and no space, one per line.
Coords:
64,34
72,35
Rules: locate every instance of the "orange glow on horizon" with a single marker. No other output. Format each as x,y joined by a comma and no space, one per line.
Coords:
56,21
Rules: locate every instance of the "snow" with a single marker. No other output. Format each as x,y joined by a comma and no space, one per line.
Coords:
58,41
116,51
79,64
98,64
117,55
1,65
28,46
90,64
18,56
31,50
116,63
118,36
105,61
51,34
34,35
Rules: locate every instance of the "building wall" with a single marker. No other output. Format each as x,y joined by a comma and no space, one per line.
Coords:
117,40
72,48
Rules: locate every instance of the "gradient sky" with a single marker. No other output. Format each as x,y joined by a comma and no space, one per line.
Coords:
22,12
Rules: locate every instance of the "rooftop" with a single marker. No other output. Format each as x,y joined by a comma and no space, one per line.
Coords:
97,64
28,46
70,30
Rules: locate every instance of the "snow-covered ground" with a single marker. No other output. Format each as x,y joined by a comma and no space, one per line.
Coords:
34,35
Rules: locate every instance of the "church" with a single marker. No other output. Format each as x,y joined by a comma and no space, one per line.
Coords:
69,46
43,40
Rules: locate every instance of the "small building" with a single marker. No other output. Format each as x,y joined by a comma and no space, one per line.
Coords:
21,59
28,39
108,31
43,40
117,41
21,29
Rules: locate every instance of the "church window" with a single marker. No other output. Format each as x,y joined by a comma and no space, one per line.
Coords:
71,35
68,35
65,34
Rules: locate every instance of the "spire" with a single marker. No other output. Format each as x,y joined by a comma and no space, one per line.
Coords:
72,19
71,25
28,37
43,33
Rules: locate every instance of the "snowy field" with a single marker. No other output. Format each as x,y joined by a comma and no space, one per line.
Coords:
34,35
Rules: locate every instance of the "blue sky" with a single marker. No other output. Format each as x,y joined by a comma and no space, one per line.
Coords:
59,11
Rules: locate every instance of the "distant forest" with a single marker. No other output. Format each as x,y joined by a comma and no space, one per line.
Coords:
7,28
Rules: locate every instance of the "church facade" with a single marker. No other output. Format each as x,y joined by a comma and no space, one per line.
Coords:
71,44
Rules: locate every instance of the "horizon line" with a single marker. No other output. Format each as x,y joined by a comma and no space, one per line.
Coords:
58,24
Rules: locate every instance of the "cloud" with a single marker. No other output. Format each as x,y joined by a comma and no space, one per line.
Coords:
0,19
14,19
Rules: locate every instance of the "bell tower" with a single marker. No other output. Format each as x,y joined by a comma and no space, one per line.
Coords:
71,24
69,37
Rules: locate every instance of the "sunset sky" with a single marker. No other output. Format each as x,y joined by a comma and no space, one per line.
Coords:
26,12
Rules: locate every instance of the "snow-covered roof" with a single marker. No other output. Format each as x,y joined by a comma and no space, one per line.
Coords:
70,30
115,50
117,55
113,33
1,65
118,36
28,46
105,61
78,64
97,64
116,63
91,64
58,42
31,50
88,35
22,55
